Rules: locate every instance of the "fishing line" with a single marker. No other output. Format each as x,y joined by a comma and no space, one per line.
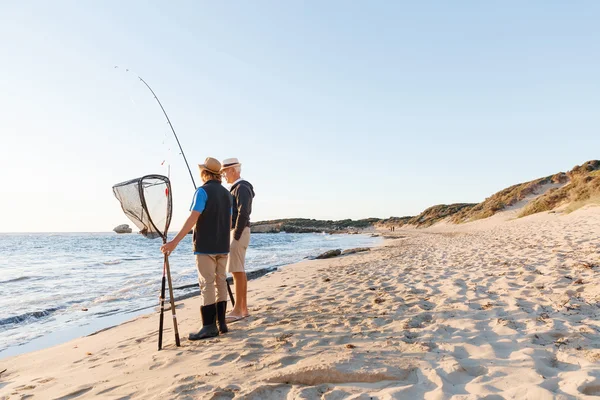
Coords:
170,125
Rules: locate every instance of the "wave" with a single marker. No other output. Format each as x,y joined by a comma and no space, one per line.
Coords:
108,313
106,299
35,315
116,261
112,262
103,263
20,278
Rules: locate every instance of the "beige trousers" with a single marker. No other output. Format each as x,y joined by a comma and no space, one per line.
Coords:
211,276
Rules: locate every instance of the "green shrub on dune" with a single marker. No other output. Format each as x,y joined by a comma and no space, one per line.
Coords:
583,188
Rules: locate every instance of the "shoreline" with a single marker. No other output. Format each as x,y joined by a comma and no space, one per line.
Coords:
101,324
495,309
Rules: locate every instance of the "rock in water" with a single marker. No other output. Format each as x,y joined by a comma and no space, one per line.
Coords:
329,254
123,229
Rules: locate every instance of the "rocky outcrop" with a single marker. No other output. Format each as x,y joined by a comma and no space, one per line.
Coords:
123,229
265,228
355,250
303,225
329,254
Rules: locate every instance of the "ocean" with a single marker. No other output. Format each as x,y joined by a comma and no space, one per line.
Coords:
58,286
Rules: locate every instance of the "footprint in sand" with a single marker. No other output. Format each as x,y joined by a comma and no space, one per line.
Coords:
157,363
509,323
253,343
267,391
460,372
25,387
76,393
547,365
248,355
590,388
418,321
221,395
426,305
191,390
224,359
107,390
547,338
410,337
284,361
43,380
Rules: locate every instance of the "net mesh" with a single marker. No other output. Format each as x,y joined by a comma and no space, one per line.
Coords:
147,203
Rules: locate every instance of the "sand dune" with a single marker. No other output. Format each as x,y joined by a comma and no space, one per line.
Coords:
497,309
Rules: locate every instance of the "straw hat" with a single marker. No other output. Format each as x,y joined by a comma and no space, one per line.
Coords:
211,165
230,162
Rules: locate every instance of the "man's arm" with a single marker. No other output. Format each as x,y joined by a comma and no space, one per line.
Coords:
244,201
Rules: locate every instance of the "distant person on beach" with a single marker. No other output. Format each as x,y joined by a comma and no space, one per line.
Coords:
242,193
211,219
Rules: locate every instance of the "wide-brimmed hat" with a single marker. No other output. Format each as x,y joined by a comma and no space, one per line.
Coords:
211,165
230,162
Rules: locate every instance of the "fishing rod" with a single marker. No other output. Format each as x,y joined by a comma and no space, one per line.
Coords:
172,129
182,153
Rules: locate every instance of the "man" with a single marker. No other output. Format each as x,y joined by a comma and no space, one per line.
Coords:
211,218
242,193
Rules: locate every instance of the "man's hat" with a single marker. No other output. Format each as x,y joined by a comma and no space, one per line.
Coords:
211,165
230,162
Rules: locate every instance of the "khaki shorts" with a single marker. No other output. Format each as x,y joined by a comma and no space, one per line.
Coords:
237,252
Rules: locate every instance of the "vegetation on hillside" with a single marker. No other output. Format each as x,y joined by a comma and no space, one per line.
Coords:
579,186
437,213
394,221
506,198
584,187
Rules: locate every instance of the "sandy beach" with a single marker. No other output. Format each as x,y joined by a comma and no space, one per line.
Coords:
501,308
404,198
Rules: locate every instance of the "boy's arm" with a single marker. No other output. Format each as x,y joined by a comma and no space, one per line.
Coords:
187,226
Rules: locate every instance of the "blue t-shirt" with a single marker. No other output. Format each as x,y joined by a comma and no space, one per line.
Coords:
198,204
199,201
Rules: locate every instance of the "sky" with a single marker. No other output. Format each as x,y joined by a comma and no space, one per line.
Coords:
336,109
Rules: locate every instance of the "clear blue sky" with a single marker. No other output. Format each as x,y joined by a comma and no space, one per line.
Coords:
336,109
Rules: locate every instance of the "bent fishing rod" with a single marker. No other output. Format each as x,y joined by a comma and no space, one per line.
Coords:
172,129
184,158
